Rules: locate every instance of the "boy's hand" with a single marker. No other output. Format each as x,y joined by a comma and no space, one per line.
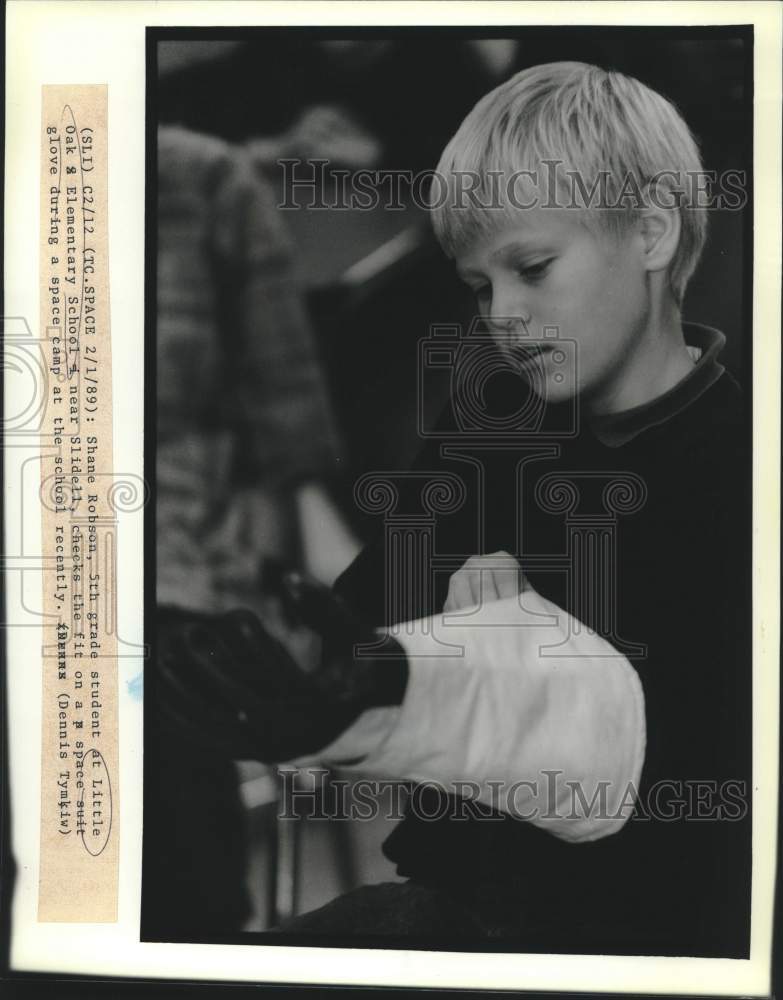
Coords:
485,578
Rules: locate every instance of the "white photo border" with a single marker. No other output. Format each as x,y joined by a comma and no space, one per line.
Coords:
76,41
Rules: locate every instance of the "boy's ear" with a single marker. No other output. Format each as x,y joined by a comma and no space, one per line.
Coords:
660,232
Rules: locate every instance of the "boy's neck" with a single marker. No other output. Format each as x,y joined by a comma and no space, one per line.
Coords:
660,361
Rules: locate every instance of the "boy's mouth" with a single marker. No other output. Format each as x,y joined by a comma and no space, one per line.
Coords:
530,353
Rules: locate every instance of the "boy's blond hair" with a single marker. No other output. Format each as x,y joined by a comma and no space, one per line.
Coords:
561,119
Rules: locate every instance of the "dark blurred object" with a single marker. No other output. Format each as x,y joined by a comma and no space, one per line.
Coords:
225,685
410,94
176,56
308,602
322,131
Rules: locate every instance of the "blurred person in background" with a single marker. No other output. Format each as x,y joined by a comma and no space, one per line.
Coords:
243,415
243,426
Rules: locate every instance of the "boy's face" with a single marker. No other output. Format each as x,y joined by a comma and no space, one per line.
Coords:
550,270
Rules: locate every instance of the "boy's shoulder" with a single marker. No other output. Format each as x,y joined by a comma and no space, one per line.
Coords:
706,406
715,423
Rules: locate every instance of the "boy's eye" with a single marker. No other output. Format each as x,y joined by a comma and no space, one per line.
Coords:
532,272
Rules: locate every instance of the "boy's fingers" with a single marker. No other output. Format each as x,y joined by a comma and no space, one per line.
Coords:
509,582
486,586
485,578
460,595
469,589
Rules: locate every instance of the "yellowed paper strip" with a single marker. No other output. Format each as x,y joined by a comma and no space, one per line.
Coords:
79,769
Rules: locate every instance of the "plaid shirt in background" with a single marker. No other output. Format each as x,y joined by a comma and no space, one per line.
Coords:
242,406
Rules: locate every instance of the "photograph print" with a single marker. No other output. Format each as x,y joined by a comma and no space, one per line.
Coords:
448,565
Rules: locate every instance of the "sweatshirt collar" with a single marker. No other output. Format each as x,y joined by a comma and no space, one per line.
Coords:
616,429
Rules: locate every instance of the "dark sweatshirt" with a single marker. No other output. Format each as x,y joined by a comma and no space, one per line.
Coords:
639,525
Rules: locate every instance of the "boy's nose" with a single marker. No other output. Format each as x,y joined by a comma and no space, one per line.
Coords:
508,313
509,324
